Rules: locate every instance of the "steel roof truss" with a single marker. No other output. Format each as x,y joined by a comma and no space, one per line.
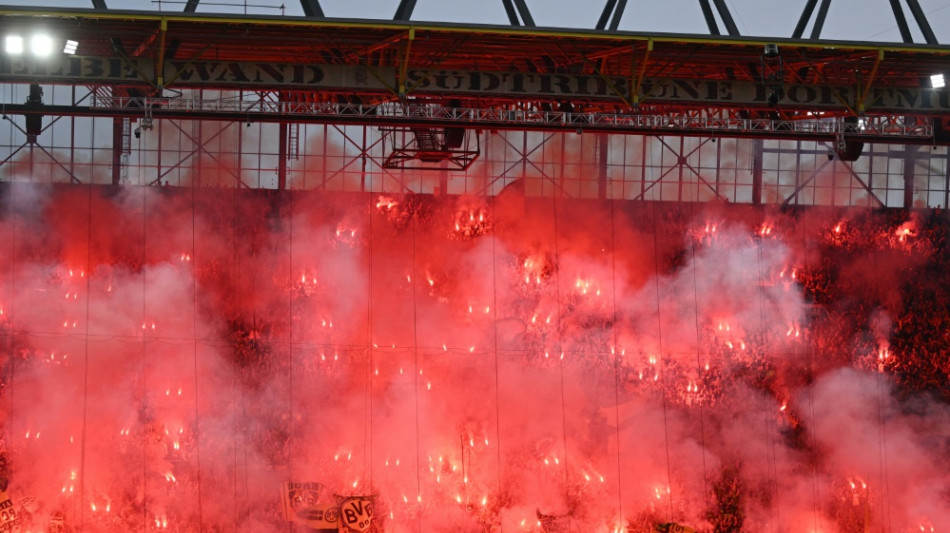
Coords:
311,8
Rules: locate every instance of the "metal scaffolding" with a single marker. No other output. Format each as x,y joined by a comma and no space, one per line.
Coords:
352,157
313,103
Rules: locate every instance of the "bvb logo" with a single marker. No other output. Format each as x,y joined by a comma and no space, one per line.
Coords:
357,513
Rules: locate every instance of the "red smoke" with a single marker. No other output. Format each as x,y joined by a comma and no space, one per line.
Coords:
171,356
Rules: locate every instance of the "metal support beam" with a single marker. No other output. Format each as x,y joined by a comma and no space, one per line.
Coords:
119,49
404,11
710,17
145,44
727,18
311,8
611,14
910,159
160,69
510,11
603,143
800,184
191,6
525,14
863,96
605,14
803,20
404,66
820,20
283,131
758,146
865,185
513,15
117,143
946,185
72,177
921,19
901,21
635,93
621,7
901,129
99,4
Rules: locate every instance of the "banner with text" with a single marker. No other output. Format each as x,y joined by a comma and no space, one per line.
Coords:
305,504
519,85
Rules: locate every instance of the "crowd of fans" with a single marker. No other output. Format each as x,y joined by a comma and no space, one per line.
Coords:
876,287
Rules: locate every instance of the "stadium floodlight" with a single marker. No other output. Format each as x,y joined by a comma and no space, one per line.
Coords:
13,44
70,47
41,45
937,81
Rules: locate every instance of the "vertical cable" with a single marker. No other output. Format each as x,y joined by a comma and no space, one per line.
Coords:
11,314
882,445
659,325
12,331
237,390
770,450
661,361
560,345
85,376
415,373
816,487
617,353
369,338
368,400
194,326
494,306
290,333
699,364
142,266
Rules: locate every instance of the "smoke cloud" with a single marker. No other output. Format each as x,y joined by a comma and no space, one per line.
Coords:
171,356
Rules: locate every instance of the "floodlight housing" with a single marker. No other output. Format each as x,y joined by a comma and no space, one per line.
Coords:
41,45
13,44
